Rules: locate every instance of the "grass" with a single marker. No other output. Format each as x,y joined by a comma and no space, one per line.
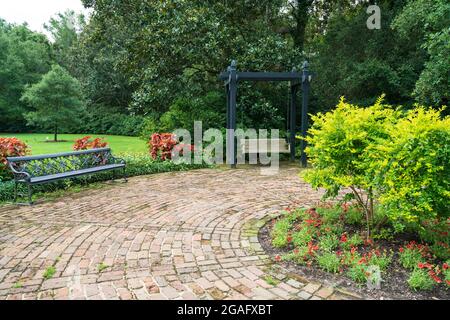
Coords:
49,272
102,266
38,145
271,280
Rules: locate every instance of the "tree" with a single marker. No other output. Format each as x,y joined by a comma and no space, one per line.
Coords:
425,23
167,49
57,100
65,28
362,64
24,57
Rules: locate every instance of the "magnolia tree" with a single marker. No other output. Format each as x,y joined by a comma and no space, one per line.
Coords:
57,101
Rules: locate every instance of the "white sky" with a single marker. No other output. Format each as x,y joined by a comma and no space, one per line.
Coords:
36,12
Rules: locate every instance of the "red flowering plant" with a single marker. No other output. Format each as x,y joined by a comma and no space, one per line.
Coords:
413,253
436,232
86,143
446,272
161,145
179,148
10,147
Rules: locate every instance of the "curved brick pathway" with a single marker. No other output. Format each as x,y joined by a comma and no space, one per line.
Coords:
185,235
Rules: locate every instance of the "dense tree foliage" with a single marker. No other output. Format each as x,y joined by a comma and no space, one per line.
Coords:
64,29
138,60
24,57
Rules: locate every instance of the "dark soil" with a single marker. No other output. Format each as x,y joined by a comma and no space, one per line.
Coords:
393,287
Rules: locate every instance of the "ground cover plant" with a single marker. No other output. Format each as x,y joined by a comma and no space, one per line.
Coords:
328,239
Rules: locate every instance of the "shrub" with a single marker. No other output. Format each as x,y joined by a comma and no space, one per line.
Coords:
328,242
446,272
300,255
10,147
330,214
414,178
302,237
380,259
104,120
280,232
420,280
383,155
86,143
358,273
149,127
329,262
354,241
184,111
412,254
161,145
338,144
354,215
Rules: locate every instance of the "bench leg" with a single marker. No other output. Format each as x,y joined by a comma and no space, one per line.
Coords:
15,191
125,176
30,194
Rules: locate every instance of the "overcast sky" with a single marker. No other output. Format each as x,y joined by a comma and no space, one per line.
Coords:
36,12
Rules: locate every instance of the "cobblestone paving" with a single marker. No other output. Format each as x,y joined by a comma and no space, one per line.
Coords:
186,235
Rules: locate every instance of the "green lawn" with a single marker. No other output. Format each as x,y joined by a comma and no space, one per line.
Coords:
37,142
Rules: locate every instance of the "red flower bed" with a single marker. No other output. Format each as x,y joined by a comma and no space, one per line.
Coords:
11,147
164,145
86,143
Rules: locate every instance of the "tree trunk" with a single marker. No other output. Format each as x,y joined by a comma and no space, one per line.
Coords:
56,133
300,14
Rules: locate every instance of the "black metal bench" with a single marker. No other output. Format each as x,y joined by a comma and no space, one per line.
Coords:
34,170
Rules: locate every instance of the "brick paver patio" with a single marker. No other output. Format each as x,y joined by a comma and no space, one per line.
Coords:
185,235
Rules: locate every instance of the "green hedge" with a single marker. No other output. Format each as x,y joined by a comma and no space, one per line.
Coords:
136,165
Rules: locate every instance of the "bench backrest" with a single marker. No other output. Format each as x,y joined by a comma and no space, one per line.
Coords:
264,146
47,164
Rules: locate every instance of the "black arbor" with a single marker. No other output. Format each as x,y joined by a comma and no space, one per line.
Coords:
297,79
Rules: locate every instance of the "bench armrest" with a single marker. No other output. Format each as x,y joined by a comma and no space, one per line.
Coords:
19,175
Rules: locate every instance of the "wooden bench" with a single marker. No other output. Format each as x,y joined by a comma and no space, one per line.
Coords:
264,146
34,170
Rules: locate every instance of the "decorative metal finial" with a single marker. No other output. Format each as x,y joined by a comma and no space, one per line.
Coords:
305,65
233,64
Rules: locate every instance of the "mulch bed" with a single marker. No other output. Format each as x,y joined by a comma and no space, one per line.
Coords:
394,285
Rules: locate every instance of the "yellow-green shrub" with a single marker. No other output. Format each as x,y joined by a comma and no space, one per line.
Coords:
413,168
399,159
338,144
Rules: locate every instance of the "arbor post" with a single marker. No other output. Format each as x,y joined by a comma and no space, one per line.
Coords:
293,118
231,117
306,78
